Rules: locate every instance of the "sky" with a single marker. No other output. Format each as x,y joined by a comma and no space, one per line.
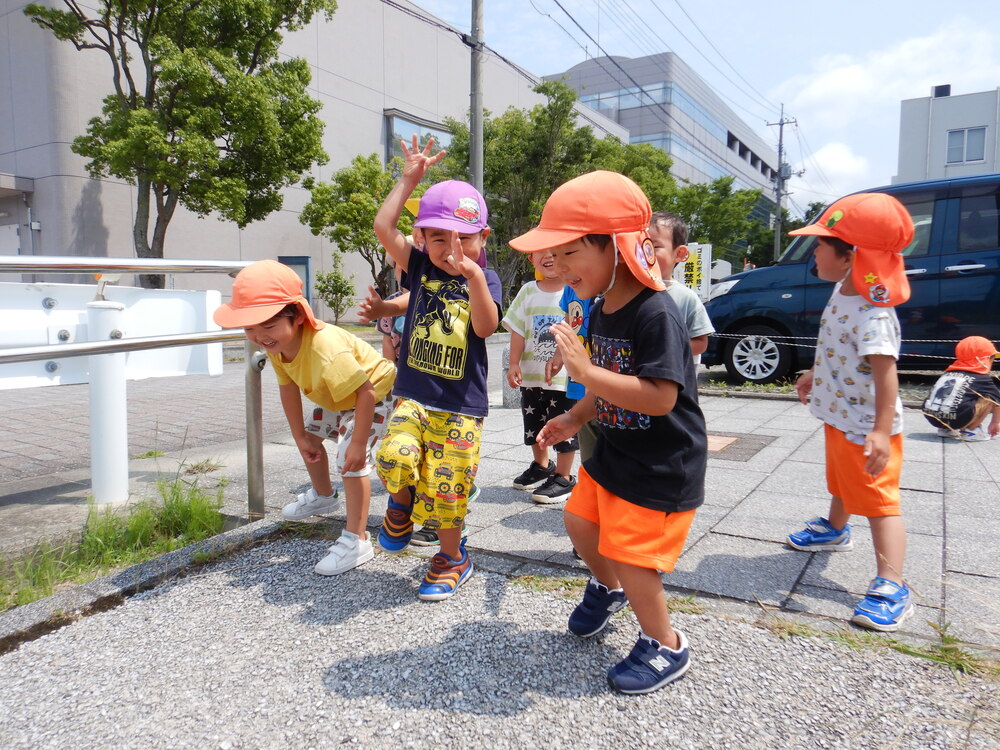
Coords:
841,70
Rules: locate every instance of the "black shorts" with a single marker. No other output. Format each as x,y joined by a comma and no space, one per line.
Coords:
538,406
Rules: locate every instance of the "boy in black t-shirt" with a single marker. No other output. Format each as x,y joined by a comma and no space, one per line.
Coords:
635,497
965,394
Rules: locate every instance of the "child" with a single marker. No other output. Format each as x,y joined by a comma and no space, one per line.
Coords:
965,394
430,454
534,310
636,496
855,389
669,234
347,380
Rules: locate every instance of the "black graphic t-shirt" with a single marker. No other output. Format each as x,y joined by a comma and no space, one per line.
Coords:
442,362
656,462
952,401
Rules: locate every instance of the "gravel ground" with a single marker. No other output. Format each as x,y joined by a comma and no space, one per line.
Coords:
256,651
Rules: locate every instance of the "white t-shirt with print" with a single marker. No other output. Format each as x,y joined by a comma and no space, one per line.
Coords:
530,315
843,392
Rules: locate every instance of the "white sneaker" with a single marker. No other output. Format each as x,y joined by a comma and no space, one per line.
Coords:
975,436
310,504
948,432
346,553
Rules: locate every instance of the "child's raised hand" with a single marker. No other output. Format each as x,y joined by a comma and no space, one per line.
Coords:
416,161
369,309
552,367
574,356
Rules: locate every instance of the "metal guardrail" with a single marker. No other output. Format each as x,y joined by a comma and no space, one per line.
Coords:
255,359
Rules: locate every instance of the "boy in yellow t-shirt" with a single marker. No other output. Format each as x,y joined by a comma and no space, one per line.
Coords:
348,381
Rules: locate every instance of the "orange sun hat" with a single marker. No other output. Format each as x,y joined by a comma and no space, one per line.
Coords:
261,291
970,353
879,227
598,202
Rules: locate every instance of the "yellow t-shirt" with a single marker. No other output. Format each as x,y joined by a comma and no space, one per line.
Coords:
331,365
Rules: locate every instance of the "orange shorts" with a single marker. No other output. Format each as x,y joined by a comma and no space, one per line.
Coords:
630,533
846,478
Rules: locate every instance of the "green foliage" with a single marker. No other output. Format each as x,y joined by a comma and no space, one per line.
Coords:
343,210
203,112
336,289
760,238
184,515
527,154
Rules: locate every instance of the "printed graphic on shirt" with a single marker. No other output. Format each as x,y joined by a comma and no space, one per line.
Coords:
947,395
439,338
616,355
574,313
543,340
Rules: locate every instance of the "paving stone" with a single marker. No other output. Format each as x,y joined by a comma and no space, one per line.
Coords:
972,545
973,608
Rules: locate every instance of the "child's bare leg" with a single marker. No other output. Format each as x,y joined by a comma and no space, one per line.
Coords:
838,517
564,463
584,535
983,409
319,474
540,455
450,541
644,590
358,495
889,540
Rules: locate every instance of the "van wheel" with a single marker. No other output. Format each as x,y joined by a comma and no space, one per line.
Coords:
757,357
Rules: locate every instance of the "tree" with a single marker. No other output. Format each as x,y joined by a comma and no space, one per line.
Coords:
760,238
336,289
343,210
202,113
716,214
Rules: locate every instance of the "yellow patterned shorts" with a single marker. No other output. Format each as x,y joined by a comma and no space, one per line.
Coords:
435,452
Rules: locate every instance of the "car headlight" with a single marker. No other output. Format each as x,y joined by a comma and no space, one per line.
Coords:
723,287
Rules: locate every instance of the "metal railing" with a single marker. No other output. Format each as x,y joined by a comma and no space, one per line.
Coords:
255,359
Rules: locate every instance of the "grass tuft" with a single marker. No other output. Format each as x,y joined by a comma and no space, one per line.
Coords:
567,587
110,540
150,454
204,467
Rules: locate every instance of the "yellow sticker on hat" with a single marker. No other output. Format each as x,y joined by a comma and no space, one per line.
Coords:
834,218
871,278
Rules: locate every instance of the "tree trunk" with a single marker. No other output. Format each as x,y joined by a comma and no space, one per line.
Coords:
140,231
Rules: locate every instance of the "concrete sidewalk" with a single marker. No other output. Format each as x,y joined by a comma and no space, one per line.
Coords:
765,477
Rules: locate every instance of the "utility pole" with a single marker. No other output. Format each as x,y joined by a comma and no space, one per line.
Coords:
784,172
475,41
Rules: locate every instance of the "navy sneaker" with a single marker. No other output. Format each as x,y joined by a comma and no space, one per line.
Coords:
820,535
649,666
598,606
445,576
397,527
885,606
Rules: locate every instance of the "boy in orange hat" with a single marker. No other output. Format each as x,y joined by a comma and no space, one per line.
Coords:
430,455
350,384
635,498
855,391
965,394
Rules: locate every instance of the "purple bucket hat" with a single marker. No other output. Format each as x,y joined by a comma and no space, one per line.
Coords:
455,206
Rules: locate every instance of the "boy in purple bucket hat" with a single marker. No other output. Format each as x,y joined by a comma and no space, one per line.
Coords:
430,454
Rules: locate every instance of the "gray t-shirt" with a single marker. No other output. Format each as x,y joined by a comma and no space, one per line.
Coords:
692,312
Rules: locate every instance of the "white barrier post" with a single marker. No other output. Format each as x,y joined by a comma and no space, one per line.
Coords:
108,409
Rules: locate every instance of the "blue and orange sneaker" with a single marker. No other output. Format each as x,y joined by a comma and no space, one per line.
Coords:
445,576
885,606
397,527
819,535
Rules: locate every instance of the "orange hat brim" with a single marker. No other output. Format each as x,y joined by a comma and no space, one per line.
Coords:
229,316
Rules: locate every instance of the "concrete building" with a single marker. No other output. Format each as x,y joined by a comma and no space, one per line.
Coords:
944,136
381,70
660,100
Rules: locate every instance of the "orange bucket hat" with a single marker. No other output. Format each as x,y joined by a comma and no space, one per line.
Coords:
598,202
879,227
969,353
261,291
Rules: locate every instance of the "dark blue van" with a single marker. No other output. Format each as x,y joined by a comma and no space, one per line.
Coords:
768,318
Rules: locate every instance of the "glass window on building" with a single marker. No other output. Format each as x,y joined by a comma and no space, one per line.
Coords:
967,144
402,127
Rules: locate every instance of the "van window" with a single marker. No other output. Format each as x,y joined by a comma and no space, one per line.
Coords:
978,222
922,213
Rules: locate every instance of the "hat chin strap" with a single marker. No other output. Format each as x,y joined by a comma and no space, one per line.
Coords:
614,269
